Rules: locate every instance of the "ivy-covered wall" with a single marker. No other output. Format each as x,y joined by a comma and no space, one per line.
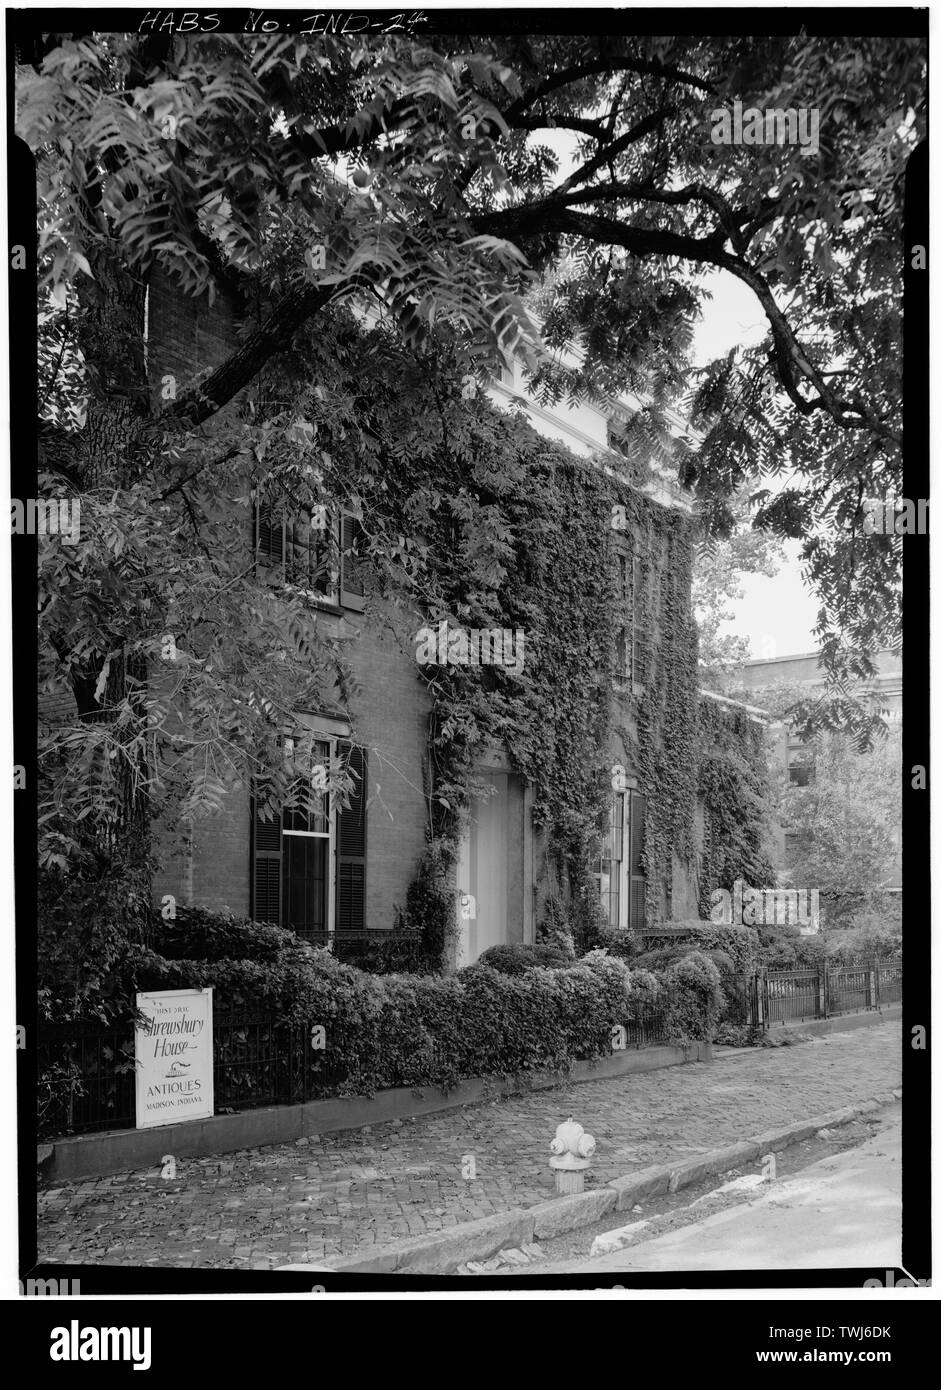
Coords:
521,537
734,793
655,725
470,517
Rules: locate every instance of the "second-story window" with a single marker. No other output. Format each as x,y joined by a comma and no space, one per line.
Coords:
319,551
801,762
627,640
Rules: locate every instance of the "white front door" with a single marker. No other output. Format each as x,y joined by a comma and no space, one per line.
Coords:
482,875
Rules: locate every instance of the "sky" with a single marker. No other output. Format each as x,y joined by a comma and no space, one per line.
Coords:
776,614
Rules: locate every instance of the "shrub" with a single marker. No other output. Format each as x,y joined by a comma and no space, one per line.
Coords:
740,944
199,933
85,919
660,957
385,953
410,1030
617,943
870,937
646,992
430,903
694,997
515,957
589,923
555,929
731,978
778,946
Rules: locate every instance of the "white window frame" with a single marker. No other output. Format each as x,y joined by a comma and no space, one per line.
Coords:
617,835
330,741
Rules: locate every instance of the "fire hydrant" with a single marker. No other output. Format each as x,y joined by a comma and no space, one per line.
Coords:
571,1152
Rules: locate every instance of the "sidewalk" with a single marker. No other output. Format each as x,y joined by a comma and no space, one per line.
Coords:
842,1212
340,1194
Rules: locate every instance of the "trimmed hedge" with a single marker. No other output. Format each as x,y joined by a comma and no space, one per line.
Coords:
409,1030
696,1001
515,957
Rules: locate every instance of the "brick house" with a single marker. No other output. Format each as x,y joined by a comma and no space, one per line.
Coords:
348,871
797,764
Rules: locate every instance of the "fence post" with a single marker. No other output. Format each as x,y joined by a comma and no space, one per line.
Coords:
822,984
873,984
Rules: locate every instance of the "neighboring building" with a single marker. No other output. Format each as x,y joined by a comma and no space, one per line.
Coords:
797,763
348,872
884,690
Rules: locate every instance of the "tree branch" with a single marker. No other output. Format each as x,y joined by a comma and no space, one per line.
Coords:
340,139
613,63
206,397
613,148
789,357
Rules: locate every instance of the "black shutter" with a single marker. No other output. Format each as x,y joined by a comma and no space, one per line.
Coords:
638,631
351,848
638,881
269,534
638,824
266,866
352,590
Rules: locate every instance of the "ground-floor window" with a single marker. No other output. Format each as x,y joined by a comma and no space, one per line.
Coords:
308,862
621,877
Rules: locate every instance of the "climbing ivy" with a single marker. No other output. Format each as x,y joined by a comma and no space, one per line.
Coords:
472,518
660,741
735,795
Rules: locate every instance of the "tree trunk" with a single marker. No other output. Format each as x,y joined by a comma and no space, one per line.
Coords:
111,337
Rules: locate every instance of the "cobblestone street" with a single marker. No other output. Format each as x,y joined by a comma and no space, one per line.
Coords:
331,1196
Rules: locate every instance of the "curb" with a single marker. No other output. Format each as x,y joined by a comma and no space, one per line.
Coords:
442,1251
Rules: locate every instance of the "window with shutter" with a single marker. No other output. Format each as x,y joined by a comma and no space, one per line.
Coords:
291,851
303,548
351,847
305,842
352,589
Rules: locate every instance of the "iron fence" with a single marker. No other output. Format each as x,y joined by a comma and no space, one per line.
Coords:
86,1077
776,996
890,983
87,1081
648,1028
87,1068
373,949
